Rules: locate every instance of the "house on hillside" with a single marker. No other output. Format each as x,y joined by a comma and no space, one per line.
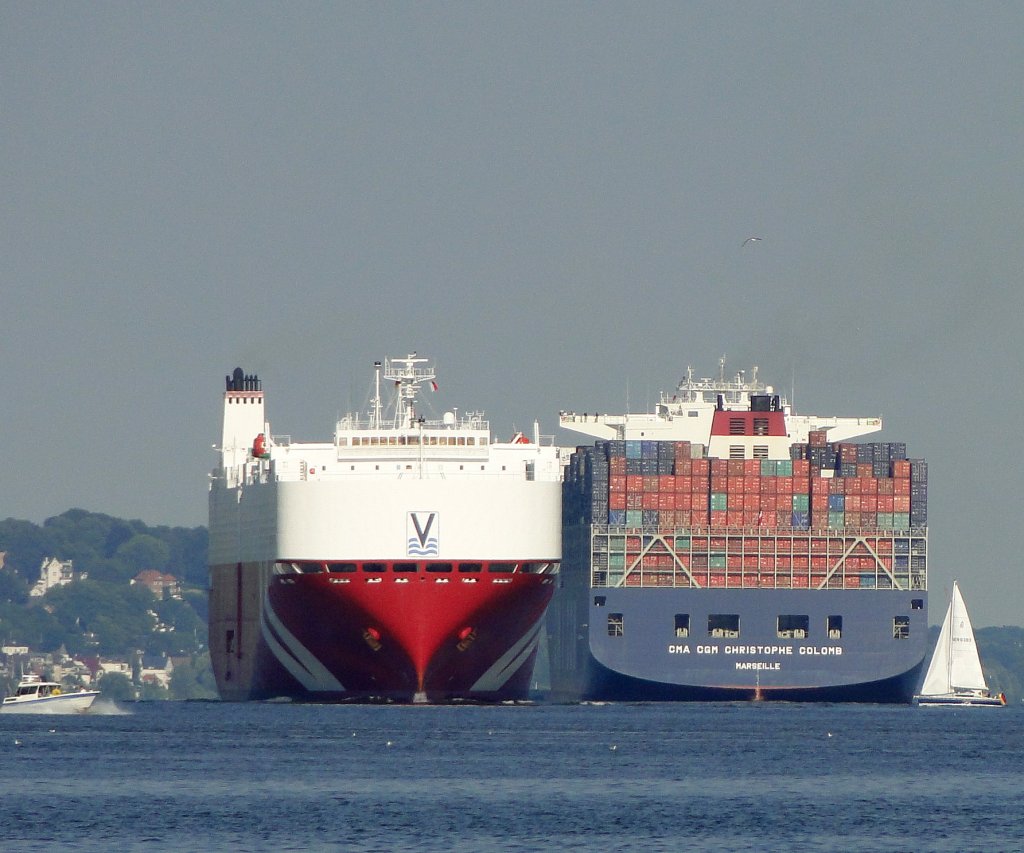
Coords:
53,573
161,585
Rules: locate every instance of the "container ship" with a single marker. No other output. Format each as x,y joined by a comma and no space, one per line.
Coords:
406,559
725,548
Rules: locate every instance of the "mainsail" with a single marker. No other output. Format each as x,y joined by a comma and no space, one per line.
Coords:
955,665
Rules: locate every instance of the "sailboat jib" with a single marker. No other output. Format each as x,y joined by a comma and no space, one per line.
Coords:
955,676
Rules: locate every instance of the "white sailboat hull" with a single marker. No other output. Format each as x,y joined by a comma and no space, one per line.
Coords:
963,701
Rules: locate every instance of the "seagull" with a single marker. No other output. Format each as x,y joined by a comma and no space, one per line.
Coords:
751,240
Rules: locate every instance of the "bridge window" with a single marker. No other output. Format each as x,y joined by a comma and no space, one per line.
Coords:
502,568
615,628
374,567
404,567
470,567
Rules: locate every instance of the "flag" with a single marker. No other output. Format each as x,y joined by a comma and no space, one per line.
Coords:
433,385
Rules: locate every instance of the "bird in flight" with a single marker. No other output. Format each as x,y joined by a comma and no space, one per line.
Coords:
751,240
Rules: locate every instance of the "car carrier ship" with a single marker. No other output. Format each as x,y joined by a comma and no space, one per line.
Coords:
725,548
405,559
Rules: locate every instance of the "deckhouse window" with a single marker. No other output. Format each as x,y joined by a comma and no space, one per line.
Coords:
615,627
792,627
682,624
724,625
736,451
834,627
341,567
503,568
736,426
901,627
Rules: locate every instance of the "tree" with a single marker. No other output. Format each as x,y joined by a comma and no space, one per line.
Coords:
144,551
114,685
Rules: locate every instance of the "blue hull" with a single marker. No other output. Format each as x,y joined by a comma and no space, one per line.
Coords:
628,644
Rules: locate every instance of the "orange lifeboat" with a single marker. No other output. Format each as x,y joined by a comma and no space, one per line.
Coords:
259,447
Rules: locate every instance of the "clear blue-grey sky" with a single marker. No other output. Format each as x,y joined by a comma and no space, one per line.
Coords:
547,198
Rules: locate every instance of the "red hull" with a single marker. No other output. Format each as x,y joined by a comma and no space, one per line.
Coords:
420,638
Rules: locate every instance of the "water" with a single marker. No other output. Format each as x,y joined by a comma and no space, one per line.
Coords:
211,776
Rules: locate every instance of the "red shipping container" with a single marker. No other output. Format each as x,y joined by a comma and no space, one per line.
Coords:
853,485
885,486
869,503
651,483
852,503
719,483
801,468
868,486
683,483
666,483
617,465
750,517
901,468
901,487
717,580
719,518
769,485
801,485
719,467
784,485
634,484
735,518
650,500
734,501
700,467
751,467
684,466
666,500
852,581
901,503
634,500
616,483
735,467
616,500
752,485
737,484
752,502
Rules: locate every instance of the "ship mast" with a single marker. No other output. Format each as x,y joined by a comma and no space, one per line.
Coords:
407,376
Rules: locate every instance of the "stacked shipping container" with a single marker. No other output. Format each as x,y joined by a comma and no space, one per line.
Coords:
672,485
832,516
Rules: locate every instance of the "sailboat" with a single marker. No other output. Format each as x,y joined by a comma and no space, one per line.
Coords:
954,676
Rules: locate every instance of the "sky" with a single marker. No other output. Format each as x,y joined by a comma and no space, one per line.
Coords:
547,199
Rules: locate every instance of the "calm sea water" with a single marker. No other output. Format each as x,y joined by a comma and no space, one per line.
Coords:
210,776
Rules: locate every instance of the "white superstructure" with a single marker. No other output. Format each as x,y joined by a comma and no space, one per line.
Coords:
687,413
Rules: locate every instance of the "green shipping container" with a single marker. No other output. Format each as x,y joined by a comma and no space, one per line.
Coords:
837,520
801,503
719,501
